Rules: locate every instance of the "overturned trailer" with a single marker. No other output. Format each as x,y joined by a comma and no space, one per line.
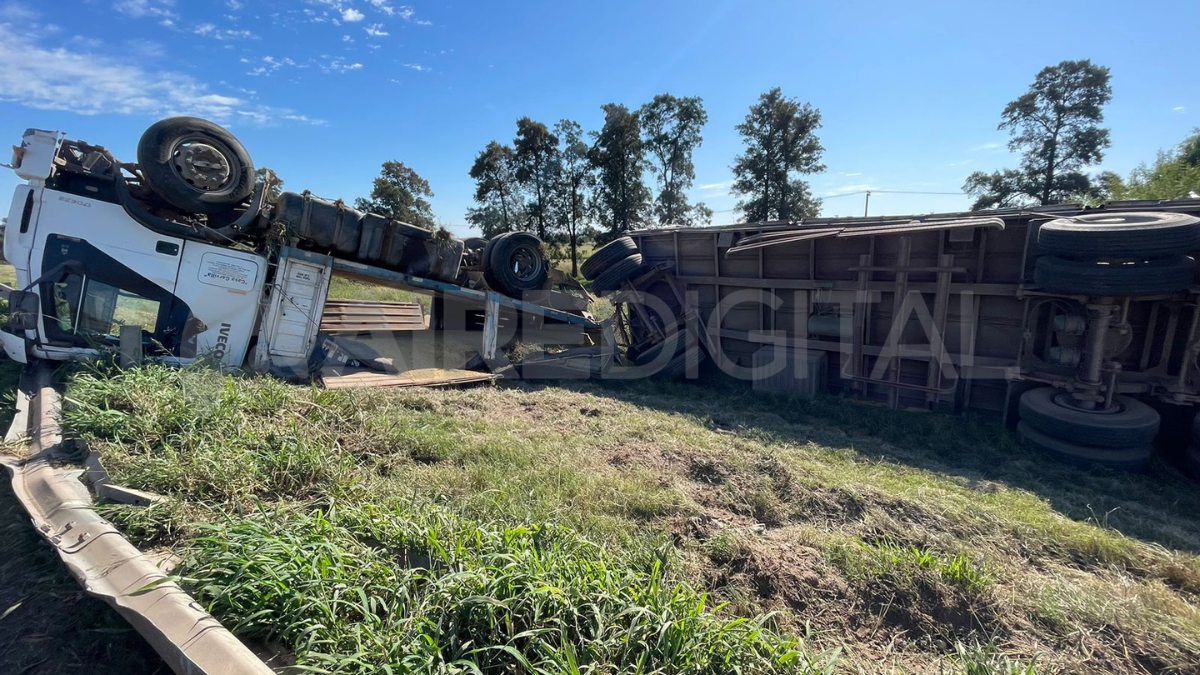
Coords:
1077,325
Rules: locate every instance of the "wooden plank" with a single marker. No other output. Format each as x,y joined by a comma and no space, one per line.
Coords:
420,377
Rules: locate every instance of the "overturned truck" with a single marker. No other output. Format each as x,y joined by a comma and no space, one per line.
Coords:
184,255
1081,327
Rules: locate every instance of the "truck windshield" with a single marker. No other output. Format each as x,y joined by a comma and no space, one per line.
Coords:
93,308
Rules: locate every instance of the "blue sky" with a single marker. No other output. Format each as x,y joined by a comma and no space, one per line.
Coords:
323,91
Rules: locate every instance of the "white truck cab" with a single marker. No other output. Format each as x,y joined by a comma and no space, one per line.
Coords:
94,269
187,246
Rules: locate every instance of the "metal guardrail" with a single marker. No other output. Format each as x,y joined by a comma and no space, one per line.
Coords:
99,557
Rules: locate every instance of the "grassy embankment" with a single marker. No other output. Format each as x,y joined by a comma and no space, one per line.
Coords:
552,528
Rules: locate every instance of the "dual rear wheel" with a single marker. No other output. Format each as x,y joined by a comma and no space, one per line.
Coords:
1118,254
612,265
1119,437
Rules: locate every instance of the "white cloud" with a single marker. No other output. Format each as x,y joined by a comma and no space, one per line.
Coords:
209,30
1177,109
347,38
383,6
15,11
145,8
233,4
418,67
339,65
714,186
351,15
90,83
409,14
270,64
985,146
376,30
850,175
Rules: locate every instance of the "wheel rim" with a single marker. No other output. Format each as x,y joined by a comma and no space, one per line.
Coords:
204,165
525,263
1065,400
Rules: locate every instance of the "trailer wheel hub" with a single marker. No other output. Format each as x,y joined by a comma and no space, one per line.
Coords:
202,166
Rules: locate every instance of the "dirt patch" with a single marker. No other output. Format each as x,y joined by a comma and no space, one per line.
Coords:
708,470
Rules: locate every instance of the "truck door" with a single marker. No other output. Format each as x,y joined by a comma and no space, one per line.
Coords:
87,294
223,287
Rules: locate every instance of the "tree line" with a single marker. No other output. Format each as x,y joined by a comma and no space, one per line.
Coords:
561,182
565,183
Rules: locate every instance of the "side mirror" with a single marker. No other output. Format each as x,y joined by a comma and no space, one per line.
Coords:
23,310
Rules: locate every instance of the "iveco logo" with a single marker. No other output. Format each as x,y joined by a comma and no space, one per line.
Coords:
222,341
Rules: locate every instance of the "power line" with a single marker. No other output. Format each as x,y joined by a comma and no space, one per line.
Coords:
890,192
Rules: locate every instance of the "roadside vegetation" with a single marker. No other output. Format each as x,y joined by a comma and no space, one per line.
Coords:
641,527
40,604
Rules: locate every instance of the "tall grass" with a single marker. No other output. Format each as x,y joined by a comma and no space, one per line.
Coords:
357,588
304,537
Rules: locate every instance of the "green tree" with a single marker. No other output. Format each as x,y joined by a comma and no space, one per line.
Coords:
671,129
399,193
496,190
618,158
575,183
781,143
1173,175
536,155
1056,127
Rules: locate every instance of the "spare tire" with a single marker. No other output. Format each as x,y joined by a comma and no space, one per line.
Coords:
1158,276
516,264
1129,423
1128,236
611,279
606,256
195,165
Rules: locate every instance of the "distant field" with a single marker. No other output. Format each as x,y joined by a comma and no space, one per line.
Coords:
8,274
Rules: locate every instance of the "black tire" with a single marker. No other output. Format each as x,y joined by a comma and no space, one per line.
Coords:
486,256
1122,459
168,154
1130,423
1161,276
516,264
612,278
1135,236
606,256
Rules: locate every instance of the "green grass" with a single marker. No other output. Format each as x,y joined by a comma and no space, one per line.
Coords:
341,288
892,539
8,274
